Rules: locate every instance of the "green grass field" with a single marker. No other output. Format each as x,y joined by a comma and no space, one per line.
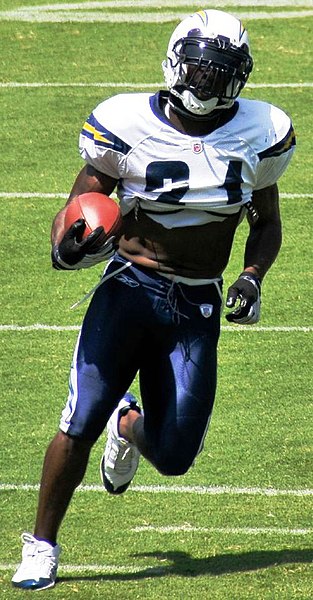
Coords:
239,524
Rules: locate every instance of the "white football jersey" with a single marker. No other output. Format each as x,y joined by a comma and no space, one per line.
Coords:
179,179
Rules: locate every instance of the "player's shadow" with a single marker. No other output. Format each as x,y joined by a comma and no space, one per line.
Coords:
183,565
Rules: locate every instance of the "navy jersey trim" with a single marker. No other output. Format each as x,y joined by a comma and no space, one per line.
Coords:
217,120
102,137
156,102
282,146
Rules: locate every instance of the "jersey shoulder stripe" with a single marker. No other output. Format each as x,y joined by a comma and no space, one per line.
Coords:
102,137
288,141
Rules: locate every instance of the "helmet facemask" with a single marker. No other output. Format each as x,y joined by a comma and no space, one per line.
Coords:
208,73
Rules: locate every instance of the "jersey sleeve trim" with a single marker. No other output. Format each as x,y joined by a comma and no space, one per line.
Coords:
281,147
102,137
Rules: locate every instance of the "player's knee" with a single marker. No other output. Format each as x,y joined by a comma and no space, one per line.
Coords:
172,471
72,444
173,466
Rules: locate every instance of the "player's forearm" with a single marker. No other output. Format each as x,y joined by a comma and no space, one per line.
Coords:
262,247
57,229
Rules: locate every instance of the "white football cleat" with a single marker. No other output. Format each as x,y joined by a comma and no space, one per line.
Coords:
120,459
39,565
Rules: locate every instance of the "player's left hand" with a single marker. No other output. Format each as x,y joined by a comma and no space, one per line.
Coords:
247,291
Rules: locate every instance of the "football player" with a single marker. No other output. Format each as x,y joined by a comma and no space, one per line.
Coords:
188,165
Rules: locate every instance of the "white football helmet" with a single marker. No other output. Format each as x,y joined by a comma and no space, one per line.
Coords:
208,63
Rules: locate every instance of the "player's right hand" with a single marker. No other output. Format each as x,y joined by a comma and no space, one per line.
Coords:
76,252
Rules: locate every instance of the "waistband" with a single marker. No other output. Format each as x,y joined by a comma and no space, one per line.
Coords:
169,276
188,280
217,282
125,264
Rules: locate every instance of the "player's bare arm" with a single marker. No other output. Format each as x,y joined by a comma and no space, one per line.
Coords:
262,246
265,235
88,180
71,249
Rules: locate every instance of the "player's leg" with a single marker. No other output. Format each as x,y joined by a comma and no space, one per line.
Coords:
104,364
178,380
178,397
63,470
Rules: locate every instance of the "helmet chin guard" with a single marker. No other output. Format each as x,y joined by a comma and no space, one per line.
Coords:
194,105
208,63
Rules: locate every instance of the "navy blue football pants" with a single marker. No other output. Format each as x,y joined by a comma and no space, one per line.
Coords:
141,322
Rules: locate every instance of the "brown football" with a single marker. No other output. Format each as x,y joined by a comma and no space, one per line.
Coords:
96,209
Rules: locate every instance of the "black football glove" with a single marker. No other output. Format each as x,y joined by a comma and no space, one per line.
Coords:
76,252
246,290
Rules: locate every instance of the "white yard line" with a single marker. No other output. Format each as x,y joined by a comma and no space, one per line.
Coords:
221,490
129,84
268,328
101,569
63,195
226,328
39,327
62,13
25,195
225,530
177,489
161,3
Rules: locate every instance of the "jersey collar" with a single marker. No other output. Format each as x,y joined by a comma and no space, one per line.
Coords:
158,101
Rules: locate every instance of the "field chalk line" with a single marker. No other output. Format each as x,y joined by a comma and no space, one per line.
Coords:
62,195
101,569
132,85
224,530
154,569
180,489
94,12
74,6
226,328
